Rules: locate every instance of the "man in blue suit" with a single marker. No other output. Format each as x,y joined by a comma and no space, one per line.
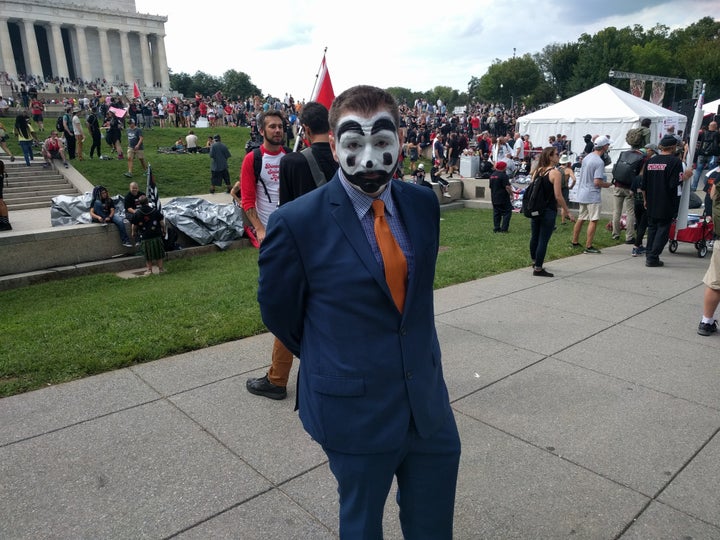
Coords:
370,388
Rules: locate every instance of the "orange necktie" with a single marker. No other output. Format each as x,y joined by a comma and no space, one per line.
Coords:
393,257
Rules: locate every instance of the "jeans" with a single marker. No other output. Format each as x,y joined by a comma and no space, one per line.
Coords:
658,234
703,162
26,147
120,224
541,229
501,217
641,219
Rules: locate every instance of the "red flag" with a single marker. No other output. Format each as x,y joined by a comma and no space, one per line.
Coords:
323,89
136,90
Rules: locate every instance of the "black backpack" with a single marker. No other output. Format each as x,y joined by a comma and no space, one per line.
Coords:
534,200
626,168
60,125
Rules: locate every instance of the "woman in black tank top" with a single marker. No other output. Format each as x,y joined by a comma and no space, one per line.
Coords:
542,226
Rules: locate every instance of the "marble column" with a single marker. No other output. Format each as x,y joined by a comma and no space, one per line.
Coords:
83,54
162,61
105,56
6,49
127,59
32,53
146,61
59,60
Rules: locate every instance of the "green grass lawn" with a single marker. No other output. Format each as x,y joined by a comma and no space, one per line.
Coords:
65,330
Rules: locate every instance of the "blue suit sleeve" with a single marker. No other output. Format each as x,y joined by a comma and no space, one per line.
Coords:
282,284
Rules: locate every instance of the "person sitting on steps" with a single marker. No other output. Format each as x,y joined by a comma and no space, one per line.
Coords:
52,148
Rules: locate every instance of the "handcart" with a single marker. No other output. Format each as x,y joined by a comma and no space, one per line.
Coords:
699,231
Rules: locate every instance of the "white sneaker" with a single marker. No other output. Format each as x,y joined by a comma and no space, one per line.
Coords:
446,194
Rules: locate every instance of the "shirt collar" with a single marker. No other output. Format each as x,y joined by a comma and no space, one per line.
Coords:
362,202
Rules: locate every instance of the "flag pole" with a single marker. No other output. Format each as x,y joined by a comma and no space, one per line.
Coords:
684,208
312,93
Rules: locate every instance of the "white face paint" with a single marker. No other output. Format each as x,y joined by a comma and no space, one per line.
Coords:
367,149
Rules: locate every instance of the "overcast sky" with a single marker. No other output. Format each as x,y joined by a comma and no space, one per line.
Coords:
416,45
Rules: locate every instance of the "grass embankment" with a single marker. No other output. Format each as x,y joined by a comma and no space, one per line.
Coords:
65,330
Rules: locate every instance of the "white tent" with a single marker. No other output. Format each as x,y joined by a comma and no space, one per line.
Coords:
711,108
603,110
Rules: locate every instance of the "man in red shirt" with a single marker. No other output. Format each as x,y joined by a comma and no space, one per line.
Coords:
52,148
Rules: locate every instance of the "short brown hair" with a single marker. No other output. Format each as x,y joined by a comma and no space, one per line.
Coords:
363,99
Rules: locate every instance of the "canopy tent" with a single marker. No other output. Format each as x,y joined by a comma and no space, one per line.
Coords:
603,110
712,107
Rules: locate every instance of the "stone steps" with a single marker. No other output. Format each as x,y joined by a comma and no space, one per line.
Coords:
34,186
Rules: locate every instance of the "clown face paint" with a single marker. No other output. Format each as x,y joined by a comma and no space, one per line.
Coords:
367,150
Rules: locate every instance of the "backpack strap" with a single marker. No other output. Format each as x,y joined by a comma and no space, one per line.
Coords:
318,175
257,164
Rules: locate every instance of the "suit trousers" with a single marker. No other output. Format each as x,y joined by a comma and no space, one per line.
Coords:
426,471
282,360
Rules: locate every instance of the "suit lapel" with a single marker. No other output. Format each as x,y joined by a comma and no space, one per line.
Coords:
344,214
417,233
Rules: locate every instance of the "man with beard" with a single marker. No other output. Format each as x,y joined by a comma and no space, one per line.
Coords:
346,283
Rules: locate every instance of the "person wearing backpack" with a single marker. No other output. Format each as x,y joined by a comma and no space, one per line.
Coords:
300,173
546,183
708,150
626,169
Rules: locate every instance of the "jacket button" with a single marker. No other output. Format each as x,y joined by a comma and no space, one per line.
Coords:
409,375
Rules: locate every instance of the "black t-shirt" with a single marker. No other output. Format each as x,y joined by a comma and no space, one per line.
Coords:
498,184
148,220
660,182
296,179
131,200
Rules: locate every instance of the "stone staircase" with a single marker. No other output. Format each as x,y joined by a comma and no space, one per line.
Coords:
35,186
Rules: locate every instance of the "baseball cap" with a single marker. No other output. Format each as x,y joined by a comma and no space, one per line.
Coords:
602,141
667,141
651,146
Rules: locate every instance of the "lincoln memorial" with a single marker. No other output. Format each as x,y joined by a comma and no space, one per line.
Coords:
86,40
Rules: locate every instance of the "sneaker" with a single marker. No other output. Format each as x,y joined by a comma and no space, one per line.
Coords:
641,250
128,244
127,175
705,329
574,245
263,387
654,264
542,273
446,194
635,252
616,237
66,164
630,242
591,249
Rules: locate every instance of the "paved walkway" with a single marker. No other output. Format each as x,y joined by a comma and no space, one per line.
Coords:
587,405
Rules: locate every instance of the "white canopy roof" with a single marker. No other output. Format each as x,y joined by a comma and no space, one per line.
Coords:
712,107
603,110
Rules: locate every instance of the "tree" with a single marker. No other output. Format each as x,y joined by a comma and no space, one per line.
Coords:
237,85
609,49
509,80
557,62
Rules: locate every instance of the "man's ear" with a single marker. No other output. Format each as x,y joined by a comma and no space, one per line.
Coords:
331,138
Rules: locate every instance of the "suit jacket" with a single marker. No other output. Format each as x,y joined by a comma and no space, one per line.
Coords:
366,370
